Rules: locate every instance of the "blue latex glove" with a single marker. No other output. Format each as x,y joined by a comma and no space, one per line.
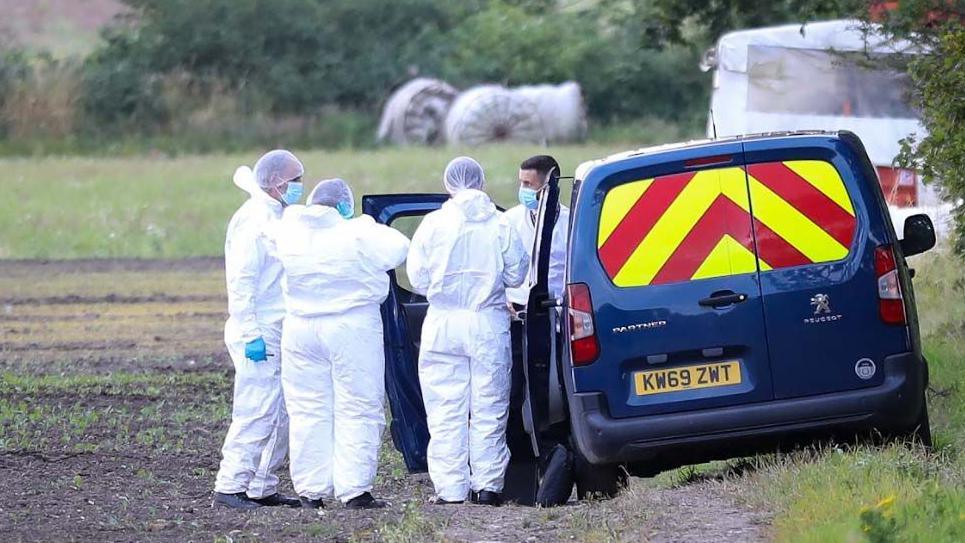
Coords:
256,350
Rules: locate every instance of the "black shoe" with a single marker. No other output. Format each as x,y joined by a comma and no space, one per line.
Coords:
276,500
309,503
234,501
487,497
364,501
439,501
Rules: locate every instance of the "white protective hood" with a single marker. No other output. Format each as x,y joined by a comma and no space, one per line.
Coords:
244,179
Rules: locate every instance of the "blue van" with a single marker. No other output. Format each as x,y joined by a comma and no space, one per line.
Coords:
724,297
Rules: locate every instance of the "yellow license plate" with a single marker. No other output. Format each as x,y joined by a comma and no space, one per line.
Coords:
717,374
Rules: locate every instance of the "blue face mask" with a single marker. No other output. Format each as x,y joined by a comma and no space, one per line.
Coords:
527,197
294,192
345,210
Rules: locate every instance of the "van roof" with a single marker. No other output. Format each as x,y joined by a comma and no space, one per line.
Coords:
584,169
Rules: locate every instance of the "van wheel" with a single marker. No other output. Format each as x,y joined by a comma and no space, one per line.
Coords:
918,433
593,481
556,481
921,433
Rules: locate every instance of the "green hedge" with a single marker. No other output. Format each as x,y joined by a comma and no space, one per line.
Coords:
298,56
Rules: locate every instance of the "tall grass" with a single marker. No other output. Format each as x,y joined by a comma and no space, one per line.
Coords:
42,104
940,292
42,112
897,493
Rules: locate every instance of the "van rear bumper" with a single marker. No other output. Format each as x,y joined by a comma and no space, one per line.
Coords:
893,405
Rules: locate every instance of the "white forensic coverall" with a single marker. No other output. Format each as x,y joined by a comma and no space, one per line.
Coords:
257,439
462,258
524,221
333,355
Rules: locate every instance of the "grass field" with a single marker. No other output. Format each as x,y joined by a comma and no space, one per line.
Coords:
115,387
179,207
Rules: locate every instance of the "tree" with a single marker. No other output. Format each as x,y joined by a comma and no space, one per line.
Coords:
720,16
607,48
285,56
938,75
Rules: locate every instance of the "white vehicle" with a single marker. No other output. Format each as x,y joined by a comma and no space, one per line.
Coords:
830,75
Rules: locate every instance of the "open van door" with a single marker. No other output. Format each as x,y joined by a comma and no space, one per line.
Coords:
402,314
540,323
541,468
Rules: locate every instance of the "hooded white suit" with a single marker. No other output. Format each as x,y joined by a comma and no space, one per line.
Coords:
334,359
257,439
462,258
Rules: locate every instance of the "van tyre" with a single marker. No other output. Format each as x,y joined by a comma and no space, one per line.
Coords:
921,433
595,482
556,483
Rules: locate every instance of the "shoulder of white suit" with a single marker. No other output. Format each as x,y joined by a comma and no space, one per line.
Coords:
516,212
258,211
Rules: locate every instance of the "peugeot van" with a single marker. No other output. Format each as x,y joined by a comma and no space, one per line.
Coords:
724,297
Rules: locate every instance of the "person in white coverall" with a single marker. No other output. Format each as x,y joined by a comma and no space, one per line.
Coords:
257,439
534,174
462,258
333,358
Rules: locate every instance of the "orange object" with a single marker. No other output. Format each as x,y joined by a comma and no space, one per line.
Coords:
900,186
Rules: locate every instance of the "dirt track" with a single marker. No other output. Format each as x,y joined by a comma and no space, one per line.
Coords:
115,398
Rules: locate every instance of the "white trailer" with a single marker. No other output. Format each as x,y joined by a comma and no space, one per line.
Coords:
832,75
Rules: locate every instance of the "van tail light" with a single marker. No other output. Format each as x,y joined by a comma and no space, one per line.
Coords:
891,306
583,344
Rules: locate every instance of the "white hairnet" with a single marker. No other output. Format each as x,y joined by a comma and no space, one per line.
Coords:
463,173
331,192
277,167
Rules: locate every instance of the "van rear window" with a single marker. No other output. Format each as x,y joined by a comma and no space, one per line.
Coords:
802,213
698,225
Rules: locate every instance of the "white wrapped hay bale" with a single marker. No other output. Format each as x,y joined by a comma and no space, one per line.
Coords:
562,109
491,113
416,112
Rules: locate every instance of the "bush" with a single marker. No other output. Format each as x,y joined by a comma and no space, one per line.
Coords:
935,27
119,84
213,74
624,75
295,56
285,56
506,44
940,80
38,96
14,70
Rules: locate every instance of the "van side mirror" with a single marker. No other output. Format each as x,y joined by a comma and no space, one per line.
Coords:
919,235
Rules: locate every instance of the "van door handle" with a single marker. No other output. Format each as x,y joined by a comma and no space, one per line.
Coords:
723,298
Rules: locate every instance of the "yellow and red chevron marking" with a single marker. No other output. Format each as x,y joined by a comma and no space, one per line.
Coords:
698,225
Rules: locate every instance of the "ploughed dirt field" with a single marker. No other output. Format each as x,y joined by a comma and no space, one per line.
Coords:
115,398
